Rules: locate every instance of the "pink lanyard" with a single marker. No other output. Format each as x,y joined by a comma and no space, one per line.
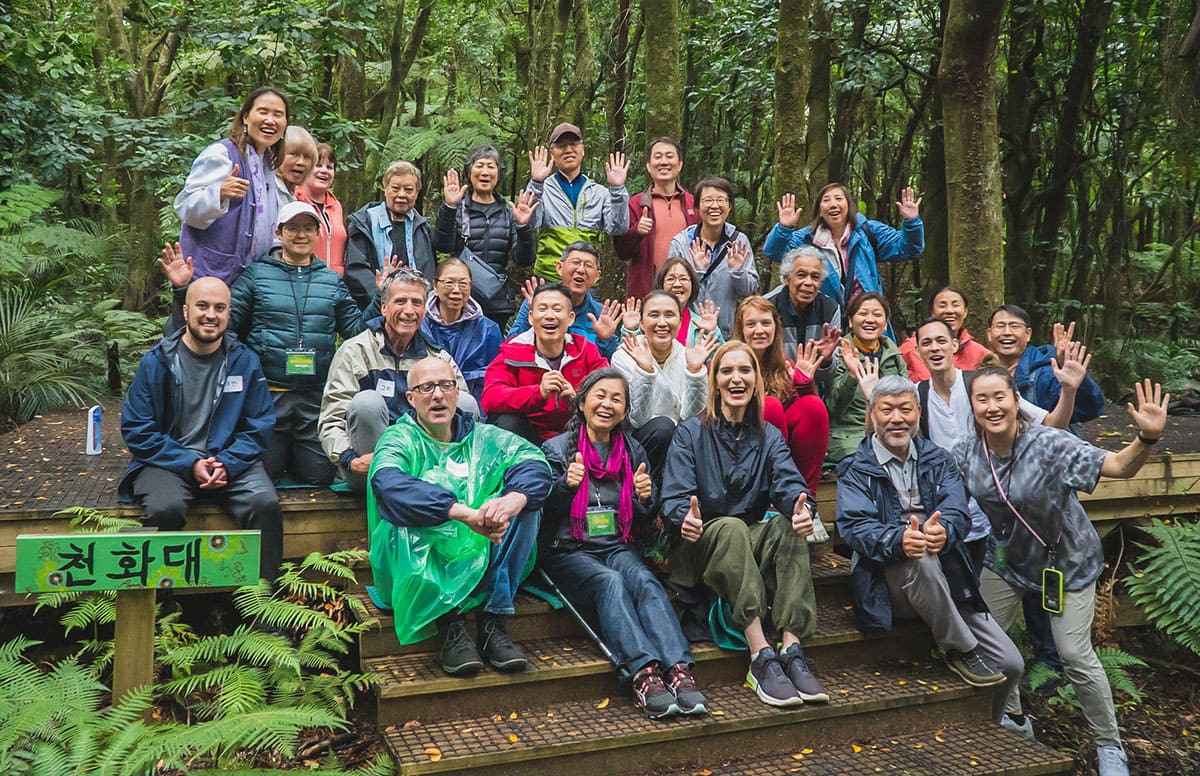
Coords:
1004,496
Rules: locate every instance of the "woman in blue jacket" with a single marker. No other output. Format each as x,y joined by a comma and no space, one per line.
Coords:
456,323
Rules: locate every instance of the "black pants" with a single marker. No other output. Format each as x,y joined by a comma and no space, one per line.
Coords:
517,424
655,438
295,446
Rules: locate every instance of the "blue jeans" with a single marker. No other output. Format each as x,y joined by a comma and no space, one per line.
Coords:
509,559
637,621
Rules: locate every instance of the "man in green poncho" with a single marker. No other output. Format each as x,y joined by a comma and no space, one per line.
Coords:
453,510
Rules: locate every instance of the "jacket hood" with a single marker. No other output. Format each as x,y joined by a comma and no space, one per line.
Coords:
1037,356
433,311
275,257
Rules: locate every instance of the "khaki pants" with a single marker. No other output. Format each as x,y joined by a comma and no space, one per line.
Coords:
754,568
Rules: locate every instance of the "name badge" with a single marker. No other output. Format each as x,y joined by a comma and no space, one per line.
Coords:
386,388
457,468
233,384
301,362
601,522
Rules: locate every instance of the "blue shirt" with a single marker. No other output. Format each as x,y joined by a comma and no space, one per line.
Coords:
571,188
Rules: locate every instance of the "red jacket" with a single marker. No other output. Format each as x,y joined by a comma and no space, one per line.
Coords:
968,356
513,381
637,249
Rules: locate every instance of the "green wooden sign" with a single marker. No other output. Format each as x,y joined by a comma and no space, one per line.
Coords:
136,560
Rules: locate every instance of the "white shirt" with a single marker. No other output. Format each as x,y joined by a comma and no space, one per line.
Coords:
671,391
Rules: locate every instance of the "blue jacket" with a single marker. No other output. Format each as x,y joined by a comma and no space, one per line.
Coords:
238,432
582,325
870,242
472,341
1036,381
869,520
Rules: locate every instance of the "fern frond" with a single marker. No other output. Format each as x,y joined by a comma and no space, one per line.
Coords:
90,520
238,687
97,608
245,642
1166,583
22,202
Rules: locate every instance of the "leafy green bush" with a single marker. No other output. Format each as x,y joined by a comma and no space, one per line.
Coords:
1165,581
1116,664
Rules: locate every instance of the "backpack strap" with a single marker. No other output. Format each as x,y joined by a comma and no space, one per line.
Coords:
923,400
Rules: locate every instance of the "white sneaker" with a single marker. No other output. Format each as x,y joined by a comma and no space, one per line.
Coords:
1111,761
1024,731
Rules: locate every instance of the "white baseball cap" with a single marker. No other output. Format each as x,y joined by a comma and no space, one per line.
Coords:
291,210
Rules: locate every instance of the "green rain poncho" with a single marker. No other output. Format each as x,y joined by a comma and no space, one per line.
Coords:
425,572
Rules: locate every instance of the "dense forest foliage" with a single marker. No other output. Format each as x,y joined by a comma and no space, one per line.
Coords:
1055,142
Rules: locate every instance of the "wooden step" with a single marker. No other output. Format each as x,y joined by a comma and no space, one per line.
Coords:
413,685
607,735
982,749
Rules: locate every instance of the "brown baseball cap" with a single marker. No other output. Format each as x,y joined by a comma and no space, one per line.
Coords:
564,129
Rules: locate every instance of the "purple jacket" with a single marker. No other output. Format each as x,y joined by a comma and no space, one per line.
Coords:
223,250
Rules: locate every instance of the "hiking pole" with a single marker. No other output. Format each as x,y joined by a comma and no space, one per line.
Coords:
595,637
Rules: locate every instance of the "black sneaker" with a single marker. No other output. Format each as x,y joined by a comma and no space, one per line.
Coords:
688,697
459,657
651,695
974,668
496,645
795,665
767,679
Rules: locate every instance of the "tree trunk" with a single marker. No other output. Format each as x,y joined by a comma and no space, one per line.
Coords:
1019,162
791,97
847,103
577,103
402,53
967,77
619,79
663,112
817,130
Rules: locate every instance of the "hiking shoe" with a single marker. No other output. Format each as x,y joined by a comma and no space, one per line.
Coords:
651,695
459,657
767,678
1111,761
820,533
1024,730
973,668
795,665
496,645
688,698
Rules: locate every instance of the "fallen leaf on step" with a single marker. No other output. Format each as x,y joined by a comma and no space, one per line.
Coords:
568,649
901,682
412,724
513,715
806,750
513,738
705,772
435,755
856,748
797,756
717,713
602,704
465,731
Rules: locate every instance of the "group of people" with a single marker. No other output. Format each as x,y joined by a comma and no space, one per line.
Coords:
697,407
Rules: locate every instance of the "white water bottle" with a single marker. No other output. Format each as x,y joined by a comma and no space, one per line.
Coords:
93,444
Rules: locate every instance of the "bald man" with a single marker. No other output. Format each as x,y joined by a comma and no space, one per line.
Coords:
196,421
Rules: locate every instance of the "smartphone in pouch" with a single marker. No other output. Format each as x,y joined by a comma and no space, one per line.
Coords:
1052,590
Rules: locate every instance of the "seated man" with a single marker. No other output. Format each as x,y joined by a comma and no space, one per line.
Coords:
367,387
184,444
902,509
452,511
580,269
529,387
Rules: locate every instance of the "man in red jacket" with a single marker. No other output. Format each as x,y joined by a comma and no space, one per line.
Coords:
655,216
530,386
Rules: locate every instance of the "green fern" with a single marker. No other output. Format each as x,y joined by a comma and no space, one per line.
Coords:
23,202
1116,664
87,520
1166,581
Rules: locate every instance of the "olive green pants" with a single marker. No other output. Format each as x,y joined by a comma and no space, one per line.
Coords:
754,568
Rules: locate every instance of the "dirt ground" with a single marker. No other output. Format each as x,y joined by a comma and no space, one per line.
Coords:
1114,429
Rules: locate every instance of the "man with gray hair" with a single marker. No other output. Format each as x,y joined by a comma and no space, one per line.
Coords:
901,508
806,313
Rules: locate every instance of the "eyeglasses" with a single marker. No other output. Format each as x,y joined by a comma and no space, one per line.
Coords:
1009,326
306,228
452,284
710,201
577,264
425,389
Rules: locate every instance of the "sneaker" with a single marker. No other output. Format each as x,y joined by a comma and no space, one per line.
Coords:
1024,730
795,665
688,699
973,668
651,695
1111,761
767,679
820,533
496,645
459,657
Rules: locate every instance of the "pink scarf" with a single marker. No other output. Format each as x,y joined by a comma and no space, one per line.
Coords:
684,325
616,466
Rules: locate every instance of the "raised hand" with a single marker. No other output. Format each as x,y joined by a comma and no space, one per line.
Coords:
738,254
868,376
1150,415
177,269
701,255
935,533
697,355
808,358
234,187
605,324
709,315
616,169
522,211
909,204
693,526
631,319
540,165
1063,337
643,486
529,287
391,265
850,357
913,540
575,472
645,223
802,521
831,338
452,192
639,350
1073,370
789,216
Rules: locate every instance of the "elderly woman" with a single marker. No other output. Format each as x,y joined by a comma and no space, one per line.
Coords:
454,322
601,487
228,207
950,305
299,159
718,252
725,469
1026,477
476,224
668,382
317,191
679,279
867,348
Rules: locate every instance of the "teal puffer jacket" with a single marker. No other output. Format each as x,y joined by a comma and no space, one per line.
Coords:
277,307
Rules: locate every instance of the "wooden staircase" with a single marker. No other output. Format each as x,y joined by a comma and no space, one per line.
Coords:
892,709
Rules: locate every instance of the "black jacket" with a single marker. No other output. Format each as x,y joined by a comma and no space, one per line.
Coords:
362,254
493,236
800,328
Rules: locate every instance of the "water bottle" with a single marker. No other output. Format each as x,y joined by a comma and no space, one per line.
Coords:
93,444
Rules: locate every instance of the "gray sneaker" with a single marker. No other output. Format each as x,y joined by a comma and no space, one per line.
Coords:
1024,731
767,678
795,665
1111,761
974,668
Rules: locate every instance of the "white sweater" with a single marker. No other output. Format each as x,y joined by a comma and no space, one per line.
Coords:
670,391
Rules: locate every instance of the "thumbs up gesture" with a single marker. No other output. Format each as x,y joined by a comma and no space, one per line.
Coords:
234,187
802,522
914,540
643,486
575,471
935,533
692,526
